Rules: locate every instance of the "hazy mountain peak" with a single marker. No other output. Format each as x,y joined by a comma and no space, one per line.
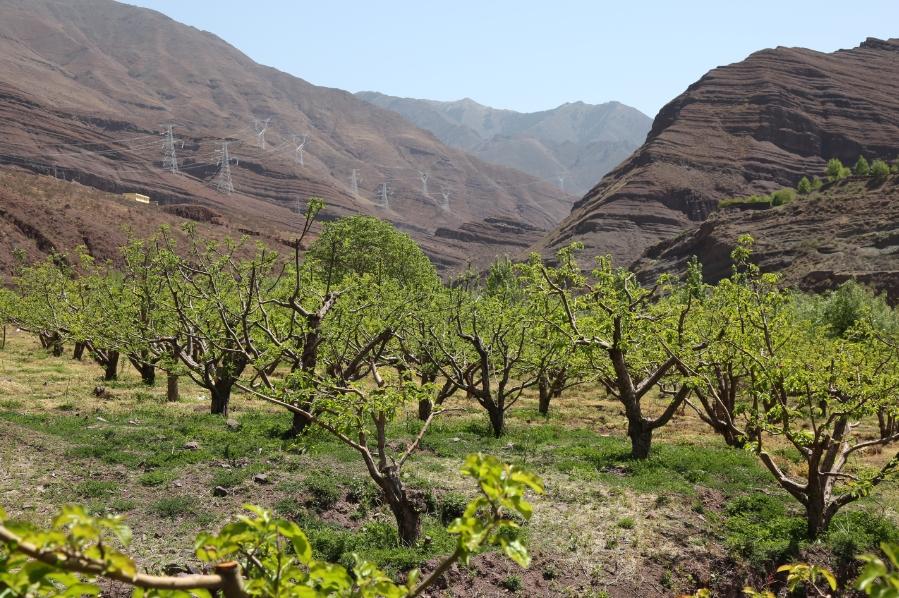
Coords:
572,145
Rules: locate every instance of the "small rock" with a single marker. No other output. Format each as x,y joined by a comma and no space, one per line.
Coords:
233,424
193,445
456,439
133,422
260,478
100,419
226,465
102,392
177,484
220,491
157,535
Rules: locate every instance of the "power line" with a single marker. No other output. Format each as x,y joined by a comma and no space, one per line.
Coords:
223,179
298,154
169,158
261,126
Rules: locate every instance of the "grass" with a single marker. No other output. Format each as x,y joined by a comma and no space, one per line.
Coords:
602,510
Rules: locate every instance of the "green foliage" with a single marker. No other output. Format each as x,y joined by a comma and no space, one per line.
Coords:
851,304
856,531
836,171
173,507
782,197
358,245
759,529
880,169
805,186
324,492
861,168
879,577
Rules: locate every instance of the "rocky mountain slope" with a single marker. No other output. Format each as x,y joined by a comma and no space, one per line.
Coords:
576,141
748,127
86,85
848,229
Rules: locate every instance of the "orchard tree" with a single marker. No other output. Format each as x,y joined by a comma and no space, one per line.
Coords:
480,344
44,291
635,337
356,245
807,389
8,300
214,297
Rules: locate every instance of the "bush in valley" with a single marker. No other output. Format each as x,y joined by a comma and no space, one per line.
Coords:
861,168
805,186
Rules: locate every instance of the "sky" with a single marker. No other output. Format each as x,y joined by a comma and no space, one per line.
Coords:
525,55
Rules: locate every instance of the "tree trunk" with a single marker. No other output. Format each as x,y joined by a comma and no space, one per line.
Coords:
641,439
78,351
147,373
545,395
221,396
171,388
816,515
53,342
497,420
425,408
112,366
408,519
3,339
300,422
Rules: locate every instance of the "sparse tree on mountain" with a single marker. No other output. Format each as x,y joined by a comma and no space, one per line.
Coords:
861,167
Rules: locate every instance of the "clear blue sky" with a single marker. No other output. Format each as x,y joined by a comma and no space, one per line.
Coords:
526,55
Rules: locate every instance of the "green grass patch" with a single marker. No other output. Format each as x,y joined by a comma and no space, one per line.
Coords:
173,507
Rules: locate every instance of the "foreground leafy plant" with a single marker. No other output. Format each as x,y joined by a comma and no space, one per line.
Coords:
273,554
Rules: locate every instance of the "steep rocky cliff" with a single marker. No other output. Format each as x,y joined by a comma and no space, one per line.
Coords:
748,127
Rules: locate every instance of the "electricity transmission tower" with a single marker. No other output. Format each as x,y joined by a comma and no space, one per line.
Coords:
424,176
223,179
562,182
354,182
260,126
384,193
300,148
444,205
169,158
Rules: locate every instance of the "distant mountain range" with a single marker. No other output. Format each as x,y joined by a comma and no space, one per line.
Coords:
86,87
572,146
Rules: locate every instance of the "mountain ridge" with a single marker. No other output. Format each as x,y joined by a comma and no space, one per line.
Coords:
749,127
575,140
85,86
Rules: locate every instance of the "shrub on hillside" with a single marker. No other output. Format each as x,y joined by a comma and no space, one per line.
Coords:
861,168
805,186
783,196
880,169
835,170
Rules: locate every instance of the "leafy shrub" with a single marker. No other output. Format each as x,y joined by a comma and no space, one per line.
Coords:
759,529
95,488
323,490
783,196
880,169
861,167
835,170
856,531
805,186
626,523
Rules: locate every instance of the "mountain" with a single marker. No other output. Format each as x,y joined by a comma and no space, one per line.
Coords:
87,85
576,141
849,229
749,127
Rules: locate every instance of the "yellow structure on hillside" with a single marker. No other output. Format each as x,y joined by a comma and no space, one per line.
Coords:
137,197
